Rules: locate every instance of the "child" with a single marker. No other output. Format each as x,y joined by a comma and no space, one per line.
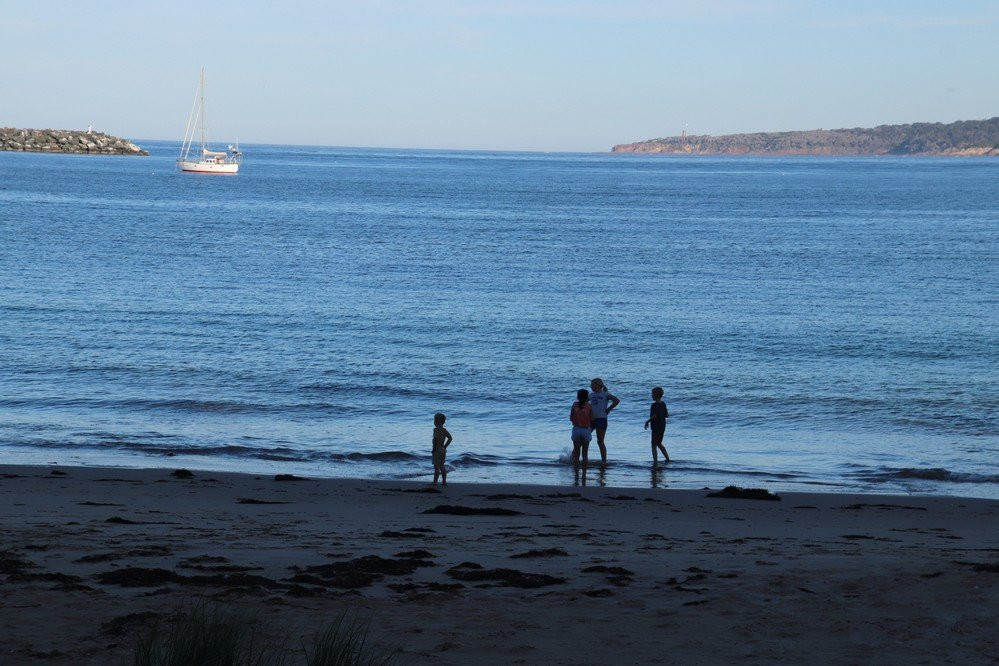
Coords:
657,419
602,403
580,415
441,440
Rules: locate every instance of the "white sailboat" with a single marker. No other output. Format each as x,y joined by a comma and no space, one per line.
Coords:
207,161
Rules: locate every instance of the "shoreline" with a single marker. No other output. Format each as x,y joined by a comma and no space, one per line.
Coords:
95,556
306,474
695,478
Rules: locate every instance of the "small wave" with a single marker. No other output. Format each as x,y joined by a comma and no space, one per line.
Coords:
274,453
933,474
176,404
379,456
351,388
473,460
676,466
122,443
278,453
738,472
227,406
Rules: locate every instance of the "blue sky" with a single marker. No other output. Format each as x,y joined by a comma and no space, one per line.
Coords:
494,74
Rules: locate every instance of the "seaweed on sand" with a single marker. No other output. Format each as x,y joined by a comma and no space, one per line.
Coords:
470,572
735,492
453,510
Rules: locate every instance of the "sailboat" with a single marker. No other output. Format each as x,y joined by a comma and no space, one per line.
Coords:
207,161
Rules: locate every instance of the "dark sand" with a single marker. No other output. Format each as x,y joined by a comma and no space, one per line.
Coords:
558,575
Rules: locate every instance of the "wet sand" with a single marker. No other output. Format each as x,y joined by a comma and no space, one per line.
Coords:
501,574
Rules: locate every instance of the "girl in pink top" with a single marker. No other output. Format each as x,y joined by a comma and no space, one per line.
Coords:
581,416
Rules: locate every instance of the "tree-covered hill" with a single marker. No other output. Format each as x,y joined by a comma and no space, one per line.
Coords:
964,137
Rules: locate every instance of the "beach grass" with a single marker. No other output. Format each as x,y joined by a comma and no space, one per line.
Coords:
209,634
205,634
345,643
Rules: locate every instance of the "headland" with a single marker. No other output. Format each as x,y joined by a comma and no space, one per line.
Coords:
85,142
964,138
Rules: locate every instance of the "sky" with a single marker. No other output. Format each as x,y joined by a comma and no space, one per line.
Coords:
540,75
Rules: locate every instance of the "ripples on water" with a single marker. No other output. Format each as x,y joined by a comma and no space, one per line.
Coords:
817,323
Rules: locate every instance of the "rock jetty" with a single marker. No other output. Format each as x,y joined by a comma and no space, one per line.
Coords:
66,141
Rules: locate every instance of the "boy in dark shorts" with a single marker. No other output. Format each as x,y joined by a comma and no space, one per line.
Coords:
441,440
657,419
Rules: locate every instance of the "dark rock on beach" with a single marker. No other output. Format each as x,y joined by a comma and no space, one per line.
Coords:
253,500
359,572
145,551
137,577
618,571
66,141
118,520
230,580
142,577
119,626
52,577
11,563
860,507
401,566
470,571
735,492
452,510
392,534
547,552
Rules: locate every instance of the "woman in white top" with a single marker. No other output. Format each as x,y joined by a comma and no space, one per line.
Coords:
602,403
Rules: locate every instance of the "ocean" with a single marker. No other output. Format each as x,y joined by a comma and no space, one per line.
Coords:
825,324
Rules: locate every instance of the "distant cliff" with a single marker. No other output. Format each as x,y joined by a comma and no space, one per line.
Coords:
965,137
66,141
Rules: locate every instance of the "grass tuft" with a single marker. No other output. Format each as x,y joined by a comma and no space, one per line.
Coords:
344,643
208,636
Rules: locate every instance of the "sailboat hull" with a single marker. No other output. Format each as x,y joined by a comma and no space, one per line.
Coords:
208,167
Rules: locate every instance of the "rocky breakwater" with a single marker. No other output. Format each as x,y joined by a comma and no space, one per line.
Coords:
66,141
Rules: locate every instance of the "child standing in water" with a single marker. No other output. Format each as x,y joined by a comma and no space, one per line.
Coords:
579,414
602,403
441,440
657,419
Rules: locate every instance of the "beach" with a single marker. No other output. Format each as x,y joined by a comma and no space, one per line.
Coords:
93,558
747,254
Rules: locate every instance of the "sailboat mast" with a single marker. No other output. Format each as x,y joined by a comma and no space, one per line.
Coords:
209,161
192,121
202,113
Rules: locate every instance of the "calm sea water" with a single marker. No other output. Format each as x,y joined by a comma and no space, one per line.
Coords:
824,324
